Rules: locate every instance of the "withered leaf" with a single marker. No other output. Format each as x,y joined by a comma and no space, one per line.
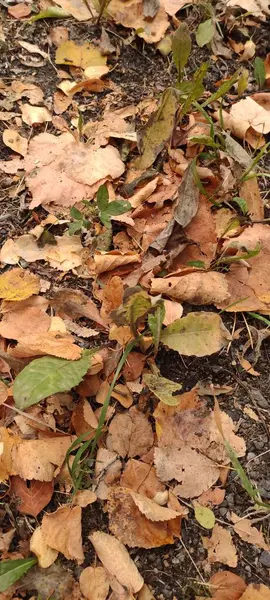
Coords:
33,497
130,434
62,531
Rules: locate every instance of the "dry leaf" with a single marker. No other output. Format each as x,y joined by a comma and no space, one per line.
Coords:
83,498
248,533
86,55
247,120
225,585
75,304
19,11
62,531
15,141
50,343
141,478
250,191
3,392
220,547
83,419
43,456
108,261
46,556
116,560
94,583
18,284
145,594
8,442
173,311
33,497
212,497
201,288
34,115
78,9
18,323
255,7
112,297
130,434
65,255
58,35
131,14
153,511
173,6
256,591
245,364
134,366
108,469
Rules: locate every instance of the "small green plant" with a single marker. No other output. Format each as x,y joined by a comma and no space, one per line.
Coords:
259,71
102,209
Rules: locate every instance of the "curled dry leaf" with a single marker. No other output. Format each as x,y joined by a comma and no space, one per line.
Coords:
248,533
225,585
134,366
152,510
248,120
62,531
131,527
83,419
75,304
116,560
108,261
220,547
45,554
141,478
31,498
94,583
201,288
15,141
83,498
212,497
131,14
130,434
18,284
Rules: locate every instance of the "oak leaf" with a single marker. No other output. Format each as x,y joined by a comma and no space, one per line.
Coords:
62,531
94,583
220,547
33,497
130,434
116,560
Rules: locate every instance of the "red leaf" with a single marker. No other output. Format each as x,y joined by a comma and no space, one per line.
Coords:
33,498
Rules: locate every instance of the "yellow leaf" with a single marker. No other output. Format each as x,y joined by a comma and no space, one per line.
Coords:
18,285
15,141
84,56
204,516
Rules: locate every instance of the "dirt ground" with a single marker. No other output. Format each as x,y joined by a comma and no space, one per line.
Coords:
178,571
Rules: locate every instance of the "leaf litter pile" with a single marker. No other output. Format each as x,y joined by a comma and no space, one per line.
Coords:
135,300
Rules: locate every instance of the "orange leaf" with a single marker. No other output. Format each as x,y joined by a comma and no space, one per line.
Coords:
33,498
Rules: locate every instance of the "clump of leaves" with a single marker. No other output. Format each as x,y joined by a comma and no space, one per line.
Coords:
102,209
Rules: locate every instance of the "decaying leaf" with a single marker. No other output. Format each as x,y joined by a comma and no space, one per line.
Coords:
141,478
164,389
62,531
75,304
130,434
65,255
85,55
45,554
131,14
201,288
108,261
15,141
196,334
94,583
83,498
31,498
43,456
108,469
18,284
248,120
116,560
248,533
221,547
35,115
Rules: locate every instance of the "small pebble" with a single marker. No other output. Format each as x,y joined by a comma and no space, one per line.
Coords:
265,559
251,455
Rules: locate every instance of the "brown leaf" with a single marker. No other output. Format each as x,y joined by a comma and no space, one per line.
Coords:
50,343
130,434
145,594
256,591
141,478
112,297
202,231
8,442
153,511
131,527
83,498
35,115
220,547
19,11
197,288
33,497
250,191
78,9
45,554
108,261
43,456
116,560
15,141
94,583
58,35
173,311
131,15
248,533
75,304
212,497
225,585
83,419
108,469
62,531
28,320
134,366
3,392
65,255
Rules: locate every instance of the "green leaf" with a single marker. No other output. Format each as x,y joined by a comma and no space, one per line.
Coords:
75,227
259,71
205,32
224,89
158,130
54,12
241,202
76,214
197,89
196,263
46,237
197,334
12,570
204,516
102,197
117,207
246,483
49,375
242,82
245,256
163,388
155,323
181,48
204,139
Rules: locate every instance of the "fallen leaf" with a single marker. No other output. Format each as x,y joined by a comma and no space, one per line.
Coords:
173,311
255,7
249,50
62,531
83,498
46,556
212,497
145,594
151,510
250,191
198,334
204,515
49,343
75,304
245,364
32,48
70,53
43,456
202,288
58,35
220,547
112,297
251,413
108,469
256,591
153,137
34,115
108,261
225,585
65,255
131,14
141,478
18,284
15,141
18,323
134,366
33,497
164,389
130,434
94,583
55,578
19,11
173,6
8,441
116,560
78,9
248,533
247,120
3,392
131,527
